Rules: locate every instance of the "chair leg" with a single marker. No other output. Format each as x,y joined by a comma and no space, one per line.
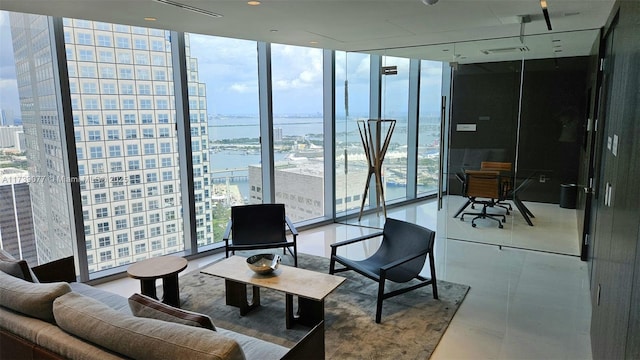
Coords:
434,282
380,299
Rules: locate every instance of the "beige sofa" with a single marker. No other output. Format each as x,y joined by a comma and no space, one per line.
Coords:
62,320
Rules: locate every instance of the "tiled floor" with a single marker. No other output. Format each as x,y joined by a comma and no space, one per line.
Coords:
522,304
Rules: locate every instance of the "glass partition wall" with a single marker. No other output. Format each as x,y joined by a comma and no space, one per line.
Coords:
526,110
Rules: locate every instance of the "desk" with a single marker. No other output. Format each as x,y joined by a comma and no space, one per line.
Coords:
162,267
511,195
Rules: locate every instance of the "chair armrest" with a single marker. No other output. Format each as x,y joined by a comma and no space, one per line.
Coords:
402,260
59,270
293,229
227,232
354,240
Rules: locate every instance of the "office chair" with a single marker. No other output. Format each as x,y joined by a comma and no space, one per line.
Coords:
487,185
506,180
260,226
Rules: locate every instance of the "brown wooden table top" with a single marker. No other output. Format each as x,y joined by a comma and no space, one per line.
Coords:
157,267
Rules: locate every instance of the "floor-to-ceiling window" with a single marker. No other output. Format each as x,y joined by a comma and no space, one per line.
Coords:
394,106
30,99
130,151
228,84
298,130
429,116
125,123
352,104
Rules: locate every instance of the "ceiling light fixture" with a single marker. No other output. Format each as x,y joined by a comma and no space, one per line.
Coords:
190,8
545,12
253,2
429,2
149,18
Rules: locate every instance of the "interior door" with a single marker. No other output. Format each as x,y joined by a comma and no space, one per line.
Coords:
593,138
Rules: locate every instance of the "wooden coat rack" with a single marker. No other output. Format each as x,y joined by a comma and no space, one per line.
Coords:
375,150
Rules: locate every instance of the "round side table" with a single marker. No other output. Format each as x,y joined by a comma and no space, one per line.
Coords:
163,267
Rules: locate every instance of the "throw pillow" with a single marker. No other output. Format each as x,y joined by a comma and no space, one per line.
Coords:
33,299
144,306
15,267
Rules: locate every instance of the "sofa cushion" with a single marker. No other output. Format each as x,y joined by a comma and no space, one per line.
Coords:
33,299
139,338
147,307
51,337
15,267
113,300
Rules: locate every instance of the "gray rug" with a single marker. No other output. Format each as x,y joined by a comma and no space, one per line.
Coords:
412,323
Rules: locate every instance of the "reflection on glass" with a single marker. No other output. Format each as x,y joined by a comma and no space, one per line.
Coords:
429,126
352,104
126,124
298,130
228,88
47,236
395,99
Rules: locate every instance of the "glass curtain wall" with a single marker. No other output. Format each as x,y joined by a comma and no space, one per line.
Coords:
429,114
121,85
395,106
228,88
352,104
31,110
358,87
126,147
298,133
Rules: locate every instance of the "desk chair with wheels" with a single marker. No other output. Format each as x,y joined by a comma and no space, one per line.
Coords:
506,180
484,187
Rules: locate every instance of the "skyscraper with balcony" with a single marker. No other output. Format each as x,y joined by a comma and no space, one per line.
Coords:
124,119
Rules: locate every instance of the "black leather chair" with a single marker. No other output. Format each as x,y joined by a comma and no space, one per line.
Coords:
260,226
400,258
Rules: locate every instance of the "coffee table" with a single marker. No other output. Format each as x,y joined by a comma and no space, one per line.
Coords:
162,267
310,287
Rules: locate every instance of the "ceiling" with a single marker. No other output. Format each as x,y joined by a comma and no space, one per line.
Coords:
449,30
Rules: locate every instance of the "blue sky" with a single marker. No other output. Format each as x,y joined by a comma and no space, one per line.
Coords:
228,68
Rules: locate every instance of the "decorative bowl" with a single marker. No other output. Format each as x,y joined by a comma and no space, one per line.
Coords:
263,263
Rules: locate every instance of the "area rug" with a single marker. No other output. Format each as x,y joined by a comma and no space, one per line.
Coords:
412,323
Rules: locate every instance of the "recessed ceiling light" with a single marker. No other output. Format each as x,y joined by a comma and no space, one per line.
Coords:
253,2
149,18
445,49
313,42
273,30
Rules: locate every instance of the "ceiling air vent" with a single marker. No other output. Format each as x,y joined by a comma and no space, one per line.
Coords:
505,50
190,8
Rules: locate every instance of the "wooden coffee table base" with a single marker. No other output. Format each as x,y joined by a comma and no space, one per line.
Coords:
310,312
236,295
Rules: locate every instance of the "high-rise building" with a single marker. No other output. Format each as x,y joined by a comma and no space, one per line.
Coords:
9,136
123,111
16,223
